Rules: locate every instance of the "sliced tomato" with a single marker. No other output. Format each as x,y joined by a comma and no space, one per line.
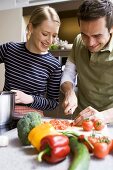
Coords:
60,124
87,125
98,124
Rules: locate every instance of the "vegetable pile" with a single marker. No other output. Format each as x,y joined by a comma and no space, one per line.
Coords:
53,146
40,131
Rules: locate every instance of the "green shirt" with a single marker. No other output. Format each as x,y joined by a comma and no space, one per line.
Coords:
95,75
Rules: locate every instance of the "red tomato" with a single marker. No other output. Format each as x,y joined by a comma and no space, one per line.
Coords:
110,145
87,125
92,139
81,138
109,141
101,149
98,124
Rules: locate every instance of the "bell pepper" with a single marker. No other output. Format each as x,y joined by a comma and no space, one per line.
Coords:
54,148
38,132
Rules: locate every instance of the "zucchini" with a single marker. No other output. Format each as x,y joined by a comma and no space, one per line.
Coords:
81,156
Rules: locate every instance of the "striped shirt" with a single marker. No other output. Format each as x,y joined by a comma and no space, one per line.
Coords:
35,74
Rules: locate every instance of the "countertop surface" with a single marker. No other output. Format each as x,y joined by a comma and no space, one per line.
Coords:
18,157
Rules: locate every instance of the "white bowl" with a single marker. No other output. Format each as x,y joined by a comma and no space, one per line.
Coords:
68,46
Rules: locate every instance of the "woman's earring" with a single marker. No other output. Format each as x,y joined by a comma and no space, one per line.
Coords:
28,35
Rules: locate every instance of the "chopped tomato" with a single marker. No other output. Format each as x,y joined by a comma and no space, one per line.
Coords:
87,125
98,124
60,124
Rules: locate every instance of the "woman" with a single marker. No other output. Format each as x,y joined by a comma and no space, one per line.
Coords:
30,70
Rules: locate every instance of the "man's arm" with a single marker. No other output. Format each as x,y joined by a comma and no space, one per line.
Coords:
91,113
108,115
68,83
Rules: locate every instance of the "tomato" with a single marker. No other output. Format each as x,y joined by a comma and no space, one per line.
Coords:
81,138
110,145
92,139
87,125
101,149
109,141
98,124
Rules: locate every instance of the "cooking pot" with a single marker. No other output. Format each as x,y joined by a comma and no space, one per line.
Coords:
7,102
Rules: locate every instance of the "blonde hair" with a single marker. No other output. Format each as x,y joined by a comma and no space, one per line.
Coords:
43,13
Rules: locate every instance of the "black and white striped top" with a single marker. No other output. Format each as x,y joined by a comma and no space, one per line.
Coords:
35,74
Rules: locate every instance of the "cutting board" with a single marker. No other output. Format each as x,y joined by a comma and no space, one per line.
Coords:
80,131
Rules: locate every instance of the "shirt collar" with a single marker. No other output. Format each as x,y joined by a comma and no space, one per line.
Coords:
109,47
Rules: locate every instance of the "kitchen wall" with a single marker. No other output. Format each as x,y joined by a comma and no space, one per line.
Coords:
69,29
10,30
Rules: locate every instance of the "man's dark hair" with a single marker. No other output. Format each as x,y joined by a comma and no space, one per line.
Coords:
95,9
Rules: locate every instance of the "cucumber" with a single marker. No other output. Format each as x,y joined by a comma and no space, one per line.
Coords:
81,156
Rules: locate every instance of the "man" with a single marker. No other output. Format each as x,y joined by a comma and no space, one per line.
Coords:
91,60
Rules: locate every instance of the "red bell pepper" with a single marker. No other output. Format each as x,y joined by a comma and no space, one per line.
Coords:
54,148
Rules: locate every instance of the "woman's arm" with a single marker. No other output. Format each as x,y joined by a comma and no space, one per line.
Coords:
51,98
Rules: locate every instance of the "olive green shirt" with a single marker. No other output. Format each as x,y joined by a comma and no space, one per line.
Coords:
95,75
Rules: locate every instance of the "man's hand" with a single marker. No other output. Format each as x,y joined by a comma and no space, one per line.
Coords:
70,99
70,102
90,113
21,97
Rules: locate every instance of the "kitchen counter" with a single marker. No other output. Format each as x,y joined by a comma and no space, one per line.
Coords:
18,157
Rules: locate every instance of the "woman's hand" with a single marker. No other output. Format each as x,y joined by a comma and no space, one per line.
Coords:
21,97
90,113
70,102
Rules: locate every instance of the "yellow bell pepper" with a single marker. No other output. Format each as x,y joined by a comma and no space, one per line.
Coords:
40,131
